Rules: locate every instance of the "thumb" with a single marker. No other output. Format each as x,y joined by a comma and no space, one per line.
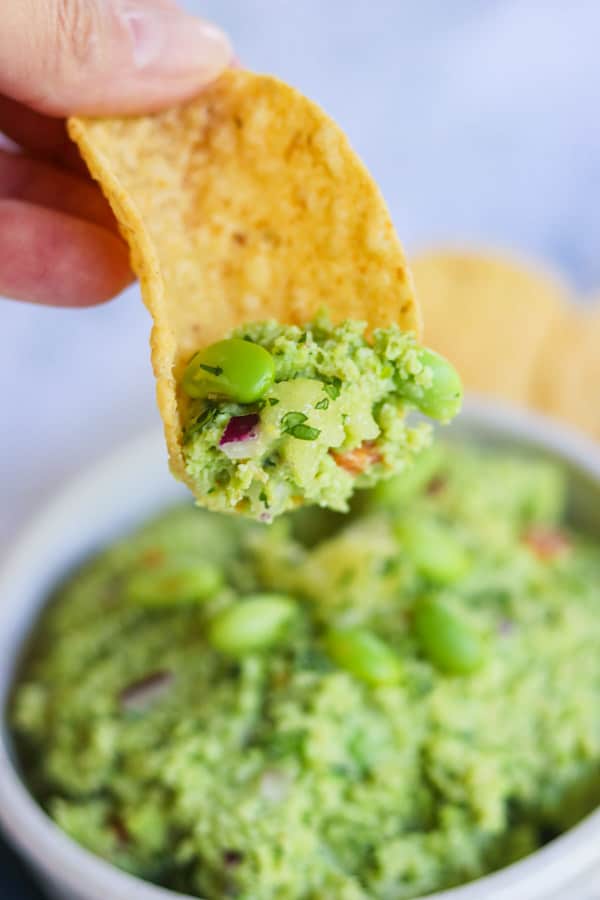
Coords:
105,56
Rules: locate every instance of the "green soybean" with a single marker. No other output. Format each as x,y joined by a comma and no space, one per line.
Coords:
446,640
255,623
434,551
237,369
174,582
442,398
364,655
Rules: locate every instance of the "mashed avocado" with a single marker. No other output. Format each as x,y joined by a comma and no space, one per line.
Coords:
328,707
282,416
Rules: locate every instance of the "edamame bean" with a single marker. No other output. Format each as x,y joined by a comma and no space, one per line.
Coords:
364,655
447,641
254,623
173,582
436,554
442,399
237,369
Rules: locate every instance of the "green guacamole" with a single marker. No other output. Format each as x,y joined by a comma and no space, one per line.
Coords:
282,416
327,707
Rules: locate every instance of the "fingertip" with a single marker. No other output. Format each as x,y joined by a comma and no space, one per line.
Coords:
122,57
54,259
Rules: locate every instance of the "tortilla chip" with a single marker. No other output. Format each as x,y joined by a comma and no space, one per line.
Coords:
488,314
245,204
568,371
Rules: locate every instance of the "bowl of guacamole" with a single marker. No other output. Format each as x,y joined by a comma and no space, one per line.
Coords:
395,703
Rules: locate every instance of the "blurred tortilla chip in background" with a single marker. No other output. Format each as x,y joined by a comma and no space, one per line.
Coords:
567,382
514,331
489,314
245,204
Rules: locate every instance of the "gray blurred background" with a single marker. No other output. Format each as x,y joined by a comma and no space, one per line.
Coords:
479,119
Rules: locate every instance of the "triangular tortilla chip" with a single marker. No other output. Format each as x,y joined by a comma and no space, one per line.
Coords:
245,204
488,313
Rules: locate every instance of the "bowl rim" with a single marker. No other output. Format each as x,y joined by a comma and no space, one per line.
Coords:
58,857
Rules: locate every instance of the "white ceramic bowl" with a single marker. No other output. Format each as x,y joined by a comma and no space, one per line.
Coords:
127,488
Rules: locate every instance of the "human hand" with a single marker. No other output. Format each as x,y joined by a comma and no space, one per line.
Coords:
59,244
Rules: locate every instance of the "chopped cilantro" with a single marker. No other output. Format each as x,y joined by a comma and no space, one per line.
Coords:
263,499
291,420
333,387
205,418
305,432
212,370
322,404
272,401
293,423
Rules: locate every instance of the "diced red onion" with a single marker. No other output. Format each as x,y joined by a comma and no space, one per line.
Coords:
238,431
239,428
274,785
436,485
232,858
117,826
139,695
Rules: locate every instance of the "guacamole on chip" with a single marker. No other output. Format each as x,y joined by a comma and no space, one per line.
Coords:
279,416
370,706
